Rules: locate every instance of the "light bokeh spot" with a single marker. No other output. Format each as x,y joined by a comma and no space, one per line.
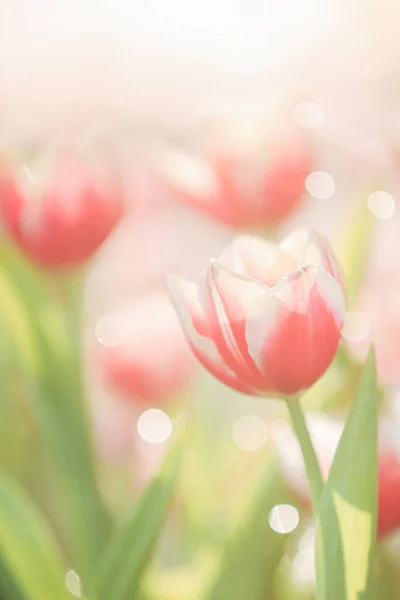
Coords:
320,185
250,433
381,205
308,115
73,583
154,426
283,518
356,326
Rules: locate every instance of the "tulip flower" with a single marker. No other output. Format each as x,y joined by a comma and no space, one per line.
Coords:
62,221
143,357
240,184
265,318
325,433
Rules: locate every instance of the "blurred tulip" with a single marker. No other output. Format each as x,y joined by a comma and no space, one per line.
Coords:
62,221
239,181
142,353
325,433
266,318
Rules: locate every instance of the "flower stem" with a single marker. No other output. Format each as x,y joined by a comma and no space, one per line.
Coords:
313,470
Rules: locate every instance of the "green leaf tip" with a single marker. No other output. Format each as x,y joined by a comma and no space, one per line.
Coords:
346,527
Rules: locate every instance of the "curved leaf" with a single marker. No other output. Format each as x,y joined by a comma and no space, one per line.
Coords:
48,354
27,548
254,550
346,524
125,559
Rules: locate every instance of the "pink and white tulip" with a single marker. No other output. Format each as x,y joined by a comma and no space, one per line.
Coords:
143,356
265,318
241,183
325,433
62,219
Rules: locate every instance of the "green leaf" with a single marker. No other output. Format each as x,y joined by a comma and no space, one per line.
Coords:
48,355
353,249
384,580
346,524
8,587
253,552
124,561
28,552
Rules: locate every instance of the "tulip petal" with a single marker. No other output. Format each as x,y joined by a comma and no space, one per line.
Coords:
257,258
293,244
318,253
300,287
294,346
184,295
188,175
236,298
309,248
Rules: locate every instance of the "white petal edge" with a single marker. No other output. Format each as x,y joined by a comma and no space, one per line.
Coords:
305,246
251,294
182,293
261,325
327,286
231,256
294,244
264,321
259,307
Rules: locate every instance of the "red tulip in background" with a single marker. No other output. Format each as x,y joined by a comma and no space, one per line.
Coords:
265,318
146,360
241,186
325,432
62,221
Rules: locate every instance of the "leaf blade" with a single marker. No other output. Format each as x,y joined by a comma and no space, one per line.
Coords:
125,559
346,524
48,356
28,548
254,550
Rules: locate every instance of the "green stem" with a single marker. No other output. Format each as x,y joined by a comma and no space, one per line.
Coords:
310,459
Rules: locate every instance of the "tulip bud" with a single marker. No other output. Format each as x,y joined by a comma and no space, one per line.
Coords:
61,219
325,433
240,180
265,318
143,356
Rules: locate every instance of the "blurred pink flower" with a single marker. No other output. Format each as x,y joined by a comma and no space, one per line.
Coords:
118,439
131,268
62,220
149,245
325,432
142,353
266,318
245,177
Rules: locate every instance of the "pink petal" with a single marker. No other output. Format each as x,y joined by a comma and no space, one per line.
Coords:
310,248
295,347
185,298
389,492
317,246
235,298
